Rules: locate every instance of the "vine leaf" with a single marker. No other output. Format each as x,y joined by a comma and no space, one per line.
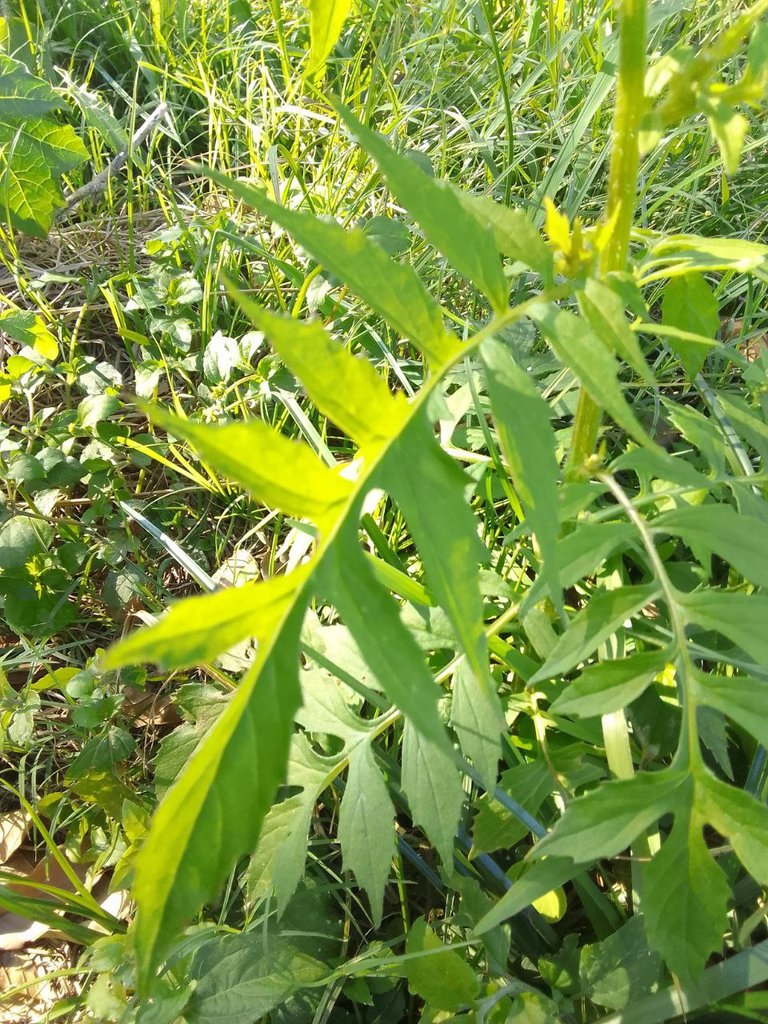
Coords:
34,149
447,222
365,827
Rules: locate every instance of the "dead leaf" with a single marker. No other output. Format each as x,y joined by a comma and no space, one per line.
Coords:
13,829
17,931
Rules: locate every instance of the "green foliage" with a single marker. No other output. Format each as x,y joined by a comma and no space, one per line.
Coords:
35,150
466,647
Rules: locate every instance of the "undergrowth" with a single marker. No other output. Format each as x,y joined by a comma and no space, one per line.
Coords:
444,404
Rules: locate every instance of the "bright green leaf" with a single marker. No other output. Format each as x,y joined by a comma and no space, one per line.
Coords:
603,310
326,20
738,539
392,289
447,223
582,351
689,304
442,977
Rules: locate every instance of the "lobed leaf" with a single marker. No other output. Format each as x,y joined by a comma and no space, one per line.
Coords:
448,223
391,289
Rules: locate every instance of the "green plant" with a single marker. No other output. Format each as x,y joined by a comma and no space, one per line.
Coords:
240,762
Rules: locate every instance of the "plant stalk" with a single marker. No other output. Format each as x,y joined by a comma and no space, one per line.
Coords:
622,189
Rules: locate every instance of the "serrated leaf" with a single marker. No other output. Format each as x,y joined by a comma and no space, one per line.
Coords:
603,310
581,350
689,304
447,223
740,617
477,720
527,441
685,899
34,149
284,474
326,20
365,827
738,539
391,289
742,699
346,389
740,818
432,785
611,685
609,818
240,978
441,976
196,629
200,828
601,618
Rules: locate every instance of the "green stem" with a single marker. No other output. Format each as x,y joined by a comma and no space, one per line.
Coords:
622,189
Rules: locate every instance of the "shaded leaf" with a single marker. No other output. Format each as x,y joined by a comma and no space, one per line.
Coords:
603,310
365,827
740,818
621,968
528,443
742,699
601,618
739,539
432,786
740,617
685,899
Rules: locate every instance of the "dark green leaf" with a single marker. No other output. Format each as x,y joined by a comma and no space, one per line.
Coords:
740,617
432,785
601,618
740,818
621,968
685,899
366,827
742,699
